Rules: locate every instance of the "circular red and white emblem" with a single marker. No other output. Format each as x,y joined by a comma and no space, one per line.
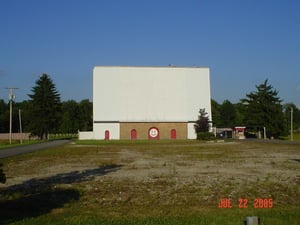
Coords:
153,132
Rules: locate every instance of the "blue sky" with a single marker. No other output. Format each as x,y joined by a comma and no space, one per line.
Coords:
243,42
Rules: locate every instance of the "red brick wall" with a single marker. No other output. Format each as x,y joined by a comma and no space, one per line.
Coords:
143,128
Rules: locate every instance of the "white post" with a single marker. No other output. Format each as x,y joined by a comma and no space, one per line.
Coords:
20,121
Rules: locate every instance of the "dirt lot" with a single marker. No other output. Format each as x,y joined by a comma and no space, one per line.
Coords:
152,179
164,176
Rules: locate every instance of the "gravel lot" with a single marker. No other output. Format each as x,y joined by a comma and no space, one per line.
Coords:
186,173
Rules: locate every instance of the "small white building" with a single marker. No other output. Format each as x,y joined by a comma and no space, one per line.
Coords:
148,102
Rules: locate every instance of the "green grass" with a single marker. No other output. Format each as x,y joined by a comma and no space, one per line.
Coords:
296,136
82,184
212,217
135,142
15,143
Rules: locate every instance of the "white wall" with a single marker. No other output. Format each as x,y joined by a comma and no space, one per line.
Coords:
100,128
191,131
85,135
150,93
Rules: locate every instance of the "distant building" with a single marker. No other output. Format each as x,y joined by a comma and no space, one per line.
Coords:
223,132
239,132
148,102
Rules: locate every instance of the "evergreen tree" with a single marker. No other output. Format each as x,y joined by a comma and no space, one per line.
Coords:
86,115
263,108
70,117
202,124
215,111
239,114
45,107
227,114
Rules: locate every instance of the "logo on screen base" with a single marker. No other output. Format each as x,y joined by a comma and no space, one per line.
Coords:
153,133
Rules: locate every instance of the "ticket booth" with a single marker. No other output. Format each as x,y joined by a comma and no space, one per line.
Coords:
239,132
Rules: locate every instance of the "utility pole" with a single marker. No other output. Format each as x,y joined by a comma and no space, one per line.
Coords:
265,133
20,123
292,129
11,97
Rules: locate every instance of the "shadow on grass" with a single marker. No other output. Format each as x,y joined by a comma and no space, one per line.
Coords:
35,197
35,204
297,160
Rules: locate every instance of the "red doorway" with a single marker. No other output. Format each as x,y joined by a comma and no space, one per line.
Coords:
106,135
173,134
133,134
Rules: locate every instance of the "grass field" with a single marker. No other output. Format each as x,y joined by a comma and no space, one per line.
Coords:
161,182
14,143
296,136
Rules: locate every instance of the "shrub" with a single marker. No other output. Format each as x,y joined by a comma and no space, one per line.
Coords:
205,136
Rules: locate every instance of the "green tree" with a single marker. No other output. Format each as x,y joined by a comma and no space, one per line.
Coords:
227,114
263,108
25,107
202,124
4,117
215,111
86,115
239,113
287,116
15,117
70,117
45,107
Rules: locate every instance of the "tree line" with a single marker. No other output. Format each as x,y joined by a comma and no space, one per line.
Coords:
260,108
45,113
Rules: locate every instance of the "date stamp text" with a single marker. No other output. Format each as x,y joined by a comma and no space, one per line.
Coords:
244,203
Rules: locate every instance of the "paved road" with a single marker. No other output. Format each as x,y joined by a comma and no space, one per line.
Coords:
4,153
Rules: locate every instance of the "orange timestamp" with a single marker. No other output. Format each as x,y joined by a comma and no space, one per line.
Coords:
243,203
